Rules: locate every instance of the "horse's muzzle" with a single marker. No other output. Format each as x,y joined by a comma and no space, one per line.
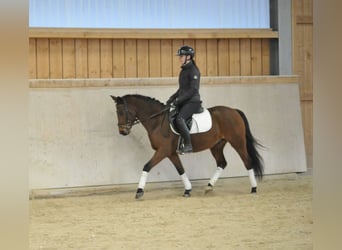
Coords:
124,130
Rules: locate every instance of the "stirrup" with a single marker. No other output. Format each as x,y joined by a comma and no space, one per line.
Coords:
187,149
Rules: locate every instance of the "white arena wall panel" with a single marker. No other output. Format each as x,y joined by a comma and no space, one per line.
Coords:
74,139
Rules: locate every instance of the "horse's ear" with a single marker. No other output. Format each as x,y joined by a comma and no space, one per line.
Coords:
114,98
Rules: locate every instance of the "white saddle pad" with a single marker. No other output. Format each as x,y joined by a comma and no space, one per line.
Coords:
201,122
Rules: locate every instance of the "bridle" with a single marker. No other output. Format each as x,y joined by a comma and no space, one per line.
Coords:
131,122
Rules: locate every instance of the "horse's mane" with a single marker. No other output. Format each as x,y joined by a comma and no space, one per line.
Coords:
145,98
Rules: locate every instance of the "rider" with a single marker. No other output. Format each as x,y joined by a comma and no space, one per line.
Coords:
187,98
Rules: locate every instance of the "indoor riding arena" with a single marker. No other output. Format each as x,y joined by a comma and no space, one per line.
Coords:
83,174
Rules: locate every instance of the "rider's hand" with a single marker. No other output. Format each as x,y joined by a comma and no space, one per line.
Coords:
169,102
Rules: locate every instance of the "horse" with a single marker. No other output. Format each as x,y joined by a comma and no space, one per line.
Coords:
228,126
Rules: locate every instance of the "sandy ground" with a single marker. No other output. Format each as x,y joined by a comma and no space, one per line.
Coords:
278,217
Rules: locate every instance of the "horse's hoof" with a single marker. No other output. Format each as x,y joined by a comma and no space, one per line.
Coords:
253,190
140,193
187,193
208,188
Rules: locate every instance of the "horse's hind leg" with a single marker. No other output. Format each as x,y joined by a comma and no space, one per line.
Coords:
241,149
217,152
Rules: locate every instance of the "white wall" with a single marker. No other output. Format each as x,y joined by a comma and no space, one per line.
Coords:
74,139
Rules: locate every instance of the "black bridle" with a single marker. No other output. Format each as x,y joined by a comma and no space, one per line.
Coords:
131,122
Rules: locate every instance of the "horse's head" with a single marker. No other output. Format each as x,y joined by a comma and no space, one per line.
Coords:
126,115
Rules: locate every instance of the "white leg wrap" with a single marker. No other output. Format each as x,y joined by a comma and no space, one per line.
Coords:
186,182
143,179
252,178
215,177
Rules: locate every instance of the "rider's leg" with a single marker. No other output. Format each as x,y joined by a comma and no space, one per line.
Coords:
184,131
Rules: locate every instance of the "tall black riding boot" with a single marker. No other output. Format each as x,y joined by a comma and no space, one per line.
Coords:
184,131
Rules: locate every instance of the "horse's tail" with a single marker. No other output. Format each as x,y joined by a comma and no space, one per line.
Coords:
256,160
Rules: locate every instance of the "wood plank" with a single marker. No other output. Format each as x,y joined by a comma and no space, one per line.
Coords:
223,57
307,118
245,57
56,63
131,58
32,58
143,57
166,57
266,58
176,44
150,33
189,42
304,19
81,57
234,57
201,56
308,60
212,57
43,58
106,58
94,60
154,55
256,57
69,61
119,58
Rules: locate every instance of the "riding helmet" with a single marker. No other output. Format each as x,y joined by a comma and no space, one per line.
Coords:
186,50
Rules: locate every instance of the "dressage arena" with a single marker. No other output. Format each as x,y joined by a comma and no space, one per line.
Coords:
279,216
90,182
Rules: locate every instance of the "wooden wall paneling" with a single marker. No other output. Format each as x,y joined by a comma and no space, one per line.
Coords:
91,54
201,56
56,63
256,57
154,55
307,87
223,57
189,42
176,44
143,58
81,58
245,57
212,57
166,57
119,58
106,58
94,61
265,55
234,57
69,61
43,58
32,58
131,58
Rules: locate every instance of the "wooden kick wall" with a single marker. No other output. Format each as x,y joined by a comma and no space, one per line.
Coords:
117,53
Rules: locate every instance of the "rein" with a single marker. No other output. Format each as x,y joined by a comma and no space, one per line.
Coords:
136,120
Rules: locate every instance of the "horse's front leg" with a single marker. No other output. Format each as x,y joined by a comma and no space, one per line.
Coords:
179,166
156,158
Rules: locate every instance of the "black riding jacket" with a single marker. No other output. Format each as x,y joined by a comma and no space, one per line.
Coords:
189,84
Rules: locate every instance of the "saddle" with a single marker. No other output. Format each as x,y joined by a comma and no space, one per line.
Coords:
199,122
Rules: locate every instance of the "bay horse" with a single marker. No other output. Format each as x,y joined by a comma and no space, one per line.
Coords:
228,125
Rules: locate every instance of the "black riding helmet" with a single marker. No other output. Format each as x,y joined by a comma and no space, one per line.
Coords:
186,50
